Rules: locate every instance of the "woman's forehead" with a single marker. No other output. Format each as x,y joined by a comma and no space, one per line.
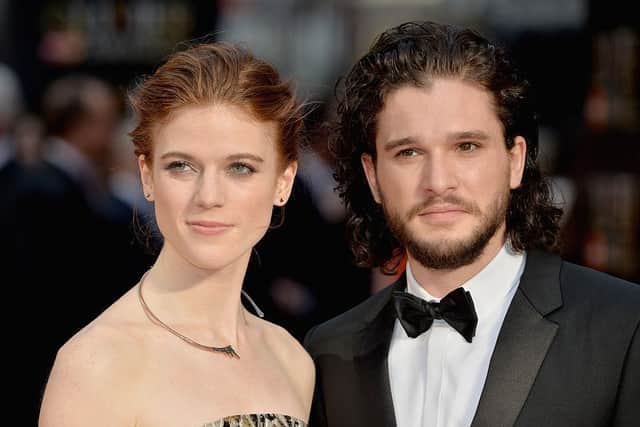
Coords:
215,129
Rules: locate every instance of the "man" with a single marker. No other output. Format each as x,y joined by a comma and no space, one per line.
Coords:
71,224
436,145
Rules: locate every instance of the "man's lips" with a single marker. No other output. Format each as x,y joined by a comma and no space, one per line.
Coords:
435,210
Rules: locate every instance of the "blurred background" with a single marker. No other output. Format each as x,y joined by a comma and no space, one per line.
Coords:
69,189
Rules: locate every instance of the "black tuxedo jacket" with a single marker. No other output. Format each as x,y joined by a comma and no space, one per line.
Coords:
568,354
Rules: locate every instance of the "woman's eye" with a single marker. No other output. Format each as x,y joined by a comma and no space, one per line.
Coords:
179,166
240,168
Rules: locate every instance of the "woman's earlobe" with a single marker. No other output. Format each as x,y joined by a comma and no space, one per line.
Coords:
145,177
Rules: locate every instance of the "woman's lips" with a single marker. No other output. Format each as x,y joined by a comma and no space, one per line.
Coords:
209,227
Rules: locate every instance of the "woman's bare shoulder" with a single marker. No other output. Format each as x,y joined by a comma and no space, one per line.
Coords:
114,334
279,337
95,371
294,357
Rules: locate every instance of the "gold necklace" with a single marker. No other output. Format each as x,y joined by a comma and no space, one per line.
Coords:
228,350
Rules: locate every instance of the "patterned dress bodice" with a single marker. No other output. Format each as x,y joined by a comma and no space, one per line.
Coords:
257,420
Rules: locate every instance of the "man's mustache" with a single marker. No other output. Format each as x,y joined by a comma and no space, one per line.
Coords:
449,200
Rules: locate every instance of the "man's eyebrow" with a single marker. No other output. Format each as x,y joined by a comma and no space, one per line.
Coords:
469,134
395,143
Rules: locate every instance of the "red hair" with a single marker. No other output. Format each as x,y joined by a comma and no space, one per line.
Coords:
217,73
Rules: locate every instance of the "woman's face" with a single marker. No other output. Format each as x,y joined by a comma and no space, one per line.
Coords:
215,176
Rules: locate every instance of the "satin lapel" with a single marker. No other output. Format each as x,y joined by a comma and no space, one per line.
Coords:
522,344
371,364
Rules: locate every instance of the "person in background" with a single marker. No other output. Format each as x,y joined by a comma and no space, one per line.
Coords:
10,110
82,113
216,142
436,147
69,226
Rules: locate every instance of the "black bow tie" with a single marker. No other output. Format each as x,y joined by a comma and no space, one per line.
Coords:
456,308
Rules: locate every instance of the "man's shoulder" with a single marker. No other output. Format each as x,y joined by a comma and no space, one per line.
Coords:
48,181
339,331
578,284
585,283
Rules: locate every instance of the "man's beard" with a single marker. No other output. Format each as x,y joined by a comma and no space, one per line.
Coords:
447,254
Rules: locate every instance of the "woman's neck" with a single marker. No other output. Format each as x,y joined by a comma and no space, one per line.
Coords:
191,299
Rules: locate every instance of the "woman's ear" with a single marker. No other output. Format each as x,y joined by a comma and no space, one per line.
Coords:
146,177
285,184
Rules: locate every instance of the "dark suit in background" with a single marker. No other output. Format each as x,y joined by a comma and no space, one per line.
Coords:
76,251
73,262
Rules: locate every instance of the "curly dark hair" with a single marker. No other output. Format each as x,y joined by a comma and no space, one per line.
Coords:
411,54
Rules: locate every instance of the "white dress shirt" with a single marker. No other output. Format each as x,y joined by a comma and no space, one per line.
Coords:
436,378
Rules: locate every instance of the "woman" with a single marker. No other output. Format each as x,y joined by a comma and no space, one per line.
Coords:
217,148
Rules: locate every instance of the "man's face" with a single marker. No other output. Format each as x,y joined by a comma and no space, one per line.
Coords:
443,173
97,128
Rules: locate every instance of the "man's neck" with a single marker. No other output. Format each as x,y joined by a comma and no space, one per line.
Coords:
439,282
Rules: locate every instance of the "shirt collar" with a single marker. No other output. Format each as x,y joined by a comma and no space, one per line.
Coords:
490,287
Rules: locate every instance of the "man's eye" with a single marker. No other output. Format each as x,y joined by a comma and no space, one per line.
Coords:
467,146
407,152
240,168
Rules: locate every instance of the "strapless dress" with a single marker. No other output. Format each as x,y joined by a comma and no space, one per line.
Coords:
257,420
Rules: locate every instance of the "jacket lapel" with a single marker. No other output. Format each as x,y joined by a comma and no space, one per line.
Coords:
522,344
371,365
